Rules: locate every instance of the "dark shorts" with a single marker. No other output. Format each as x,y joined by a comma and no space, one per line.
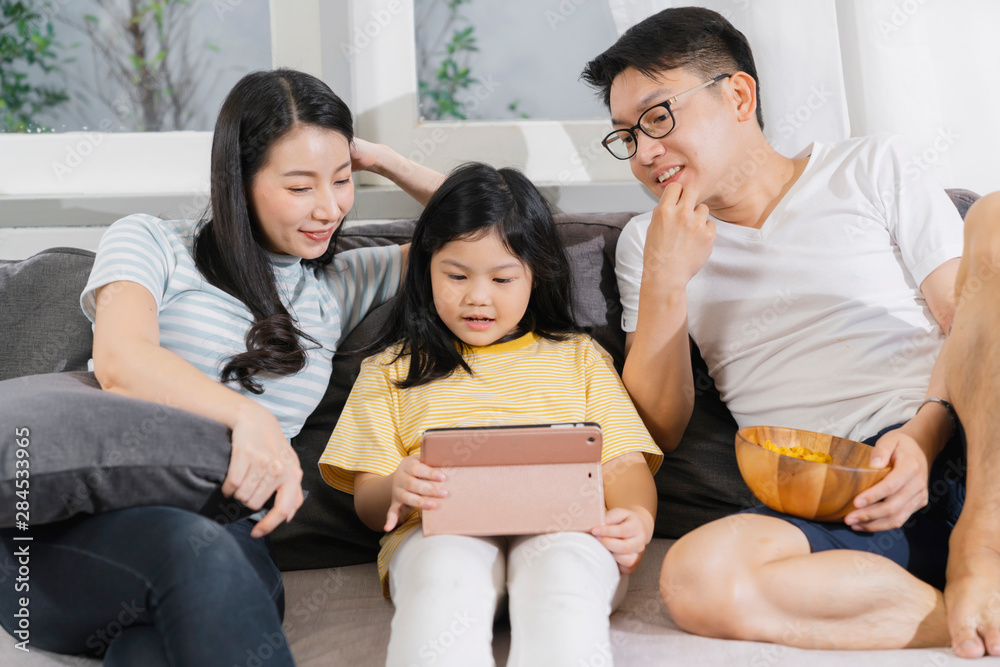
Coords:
921,545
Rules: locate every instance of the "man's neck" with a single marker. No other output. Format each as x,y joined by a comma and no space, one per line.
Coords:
753,197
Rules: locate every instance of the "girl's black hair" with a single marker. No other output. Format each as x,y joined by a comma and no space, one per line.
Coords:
261,109
476,200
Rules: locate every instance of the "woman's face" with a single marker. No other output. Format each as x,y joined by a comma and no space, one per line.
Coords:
303,191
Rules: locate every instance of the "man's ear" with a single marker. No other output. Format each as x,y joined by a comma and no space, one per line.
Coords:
743,91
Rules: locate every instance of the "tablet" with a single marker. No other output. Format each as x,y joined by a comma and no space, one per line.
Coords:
515,480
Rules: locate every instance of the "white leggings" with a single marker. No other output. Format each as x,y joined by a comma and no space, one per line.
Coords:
562,587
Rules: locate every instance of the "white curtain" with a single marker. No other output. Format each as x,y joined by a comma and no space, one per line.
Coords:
924,69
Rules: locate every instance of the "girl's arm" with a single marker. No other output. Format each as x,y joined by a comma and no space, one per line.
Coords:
416,180
128,360
630,495
383,501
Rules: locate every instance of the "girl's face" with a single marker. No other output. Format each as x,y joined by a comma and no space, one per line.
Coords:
303,191
481,290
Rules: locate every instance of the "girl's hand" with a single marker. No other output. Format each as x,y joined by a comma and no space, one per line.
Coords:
262,463
625,533
414,485
902,492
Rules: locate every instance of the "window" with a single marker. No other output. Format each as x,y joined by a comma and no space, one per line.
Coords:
382,49
98,155
114,66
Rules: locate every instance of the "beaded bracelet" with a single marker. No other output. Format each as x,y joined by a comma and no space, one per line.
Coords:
947,406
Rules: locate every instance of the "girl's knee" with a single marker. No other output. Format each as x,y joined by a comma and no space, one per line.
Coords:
446,565
565,563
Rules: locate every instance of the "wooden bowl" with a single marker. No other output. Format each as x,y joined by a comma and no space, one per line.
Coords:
807,489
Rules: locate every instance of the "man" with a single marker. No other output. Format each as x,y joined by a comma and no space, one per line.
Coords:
819,290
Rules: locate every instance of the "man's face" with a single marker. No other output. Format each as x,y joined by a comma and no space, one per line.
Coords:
696,152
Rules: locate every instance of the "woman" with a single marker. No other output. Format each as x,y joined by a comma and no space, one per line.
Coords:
235,318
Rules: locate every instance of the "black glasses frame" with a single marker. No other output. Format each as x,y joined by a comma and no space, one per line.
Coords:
638,126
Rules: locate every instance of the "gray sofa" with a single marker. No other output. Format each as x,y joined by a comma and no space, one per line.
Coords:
335,613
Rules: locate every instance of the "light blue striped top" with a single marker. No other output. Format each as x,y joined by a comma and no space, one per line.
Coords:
206,326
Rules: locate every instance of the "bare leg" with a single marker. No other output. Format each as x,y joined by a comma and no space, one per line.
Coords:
973,377
753,577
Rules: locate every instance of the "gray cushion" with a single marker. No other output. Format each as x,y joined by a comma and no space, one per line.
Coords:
92,451
42,329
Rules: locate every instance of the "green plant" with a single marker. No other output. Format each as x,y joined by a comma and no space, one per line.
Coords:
441,85
144,48
452,74
27,41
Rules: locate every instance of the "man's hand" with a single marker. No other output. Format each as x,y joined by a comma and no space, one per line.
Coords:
625,533
902,492
680,236
414,485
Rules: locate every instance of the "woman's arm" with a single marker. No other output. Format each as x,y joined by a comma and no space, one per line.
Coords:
128,360
416,180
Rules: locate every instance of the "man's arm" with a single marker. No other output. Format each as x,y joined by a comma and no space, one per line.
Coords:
657,369
932,427
892,501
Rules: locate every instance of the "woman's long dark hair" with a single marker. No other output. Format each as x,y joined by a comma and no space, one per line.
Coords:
476,200
261,109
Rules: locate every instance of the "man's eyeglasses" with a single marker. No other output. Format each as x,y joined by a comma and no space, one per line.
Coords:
655,122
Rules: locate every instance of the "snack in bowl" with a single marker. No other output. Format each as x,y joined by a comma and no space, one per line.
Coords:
805,488
798,452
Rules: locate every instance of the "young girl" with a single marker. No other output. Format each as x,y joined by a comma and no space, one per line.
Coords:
482,329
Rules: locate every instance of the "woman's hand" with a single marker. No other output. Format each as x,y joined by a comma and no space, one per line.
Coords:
262,463
625,533
364,155
415,179
414,485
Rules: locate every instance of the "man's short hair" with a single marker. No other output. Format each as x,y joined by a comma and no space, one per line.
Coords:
696,39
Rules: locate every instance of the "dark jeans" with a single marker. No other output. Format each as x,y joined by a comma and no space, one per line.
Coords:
149,586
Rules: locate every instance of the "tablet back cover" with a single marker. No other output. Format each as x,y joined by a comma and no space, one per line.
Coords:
516,480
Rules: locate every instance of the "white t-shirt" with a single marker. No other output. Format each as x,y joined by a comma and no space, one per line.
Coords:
816,320
205,325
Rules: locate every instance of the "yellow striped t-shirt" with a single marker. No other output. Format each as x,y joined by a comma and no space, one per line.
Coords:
529,380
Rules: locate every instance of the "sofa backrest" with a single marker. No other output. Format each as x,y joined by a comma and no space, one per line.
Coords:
42,329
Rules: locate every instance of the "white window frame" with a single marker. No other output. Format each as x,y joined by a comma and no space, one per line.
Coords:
84,175
382,52
91,178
